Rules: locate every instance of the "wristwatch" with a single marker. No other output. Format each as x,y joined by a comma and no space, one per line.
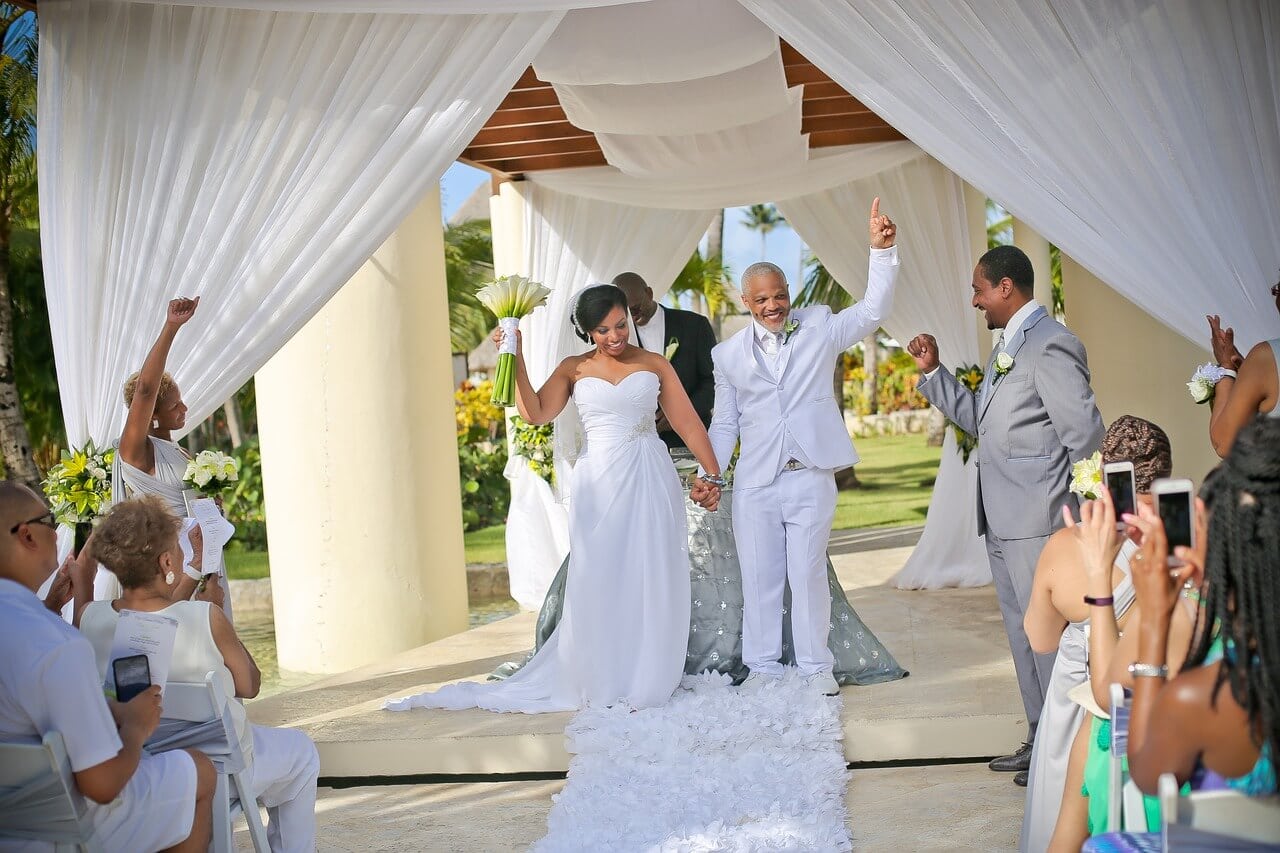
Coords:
1148,670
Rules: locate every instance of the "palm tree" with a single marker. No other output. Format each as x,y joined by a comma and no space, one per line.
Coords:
468,263
763,218
17,208
707,279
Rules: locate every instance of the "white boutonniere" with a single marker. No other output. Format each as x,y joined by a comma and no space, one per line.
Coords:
1004,363
789,329
1086,477
1204,382
670,351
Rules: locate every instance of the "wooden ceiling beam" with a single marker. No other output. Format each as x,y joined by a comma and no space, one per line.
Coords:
518,99
829,139
825,89
833,107
528,133
518,165
824,124
508,151
532,115
797,74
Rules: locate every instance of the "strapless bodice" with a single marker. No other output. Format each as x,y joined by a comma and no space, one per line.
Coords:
617,413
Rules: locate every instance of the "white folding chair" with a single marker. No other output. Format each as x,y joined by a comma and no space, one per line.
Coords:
1217,820
39,799
196,716
1125,807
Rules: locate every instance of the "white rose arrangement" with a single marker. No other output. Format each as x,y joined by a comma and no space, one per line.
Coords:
211,472
1086,477
1004,363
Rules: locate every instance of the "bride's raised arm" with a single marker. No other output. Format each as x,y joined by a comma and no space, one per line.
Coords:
541,406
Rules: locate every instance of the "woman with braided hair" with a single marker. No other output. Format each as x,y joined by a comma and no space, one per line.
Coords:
1217,722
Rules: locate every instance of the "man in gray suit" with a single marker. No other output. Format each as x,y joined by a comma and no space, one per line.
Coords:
1034,416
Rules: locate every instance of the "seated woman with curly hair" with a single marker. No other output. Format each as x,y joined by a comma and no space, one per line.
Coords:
138,541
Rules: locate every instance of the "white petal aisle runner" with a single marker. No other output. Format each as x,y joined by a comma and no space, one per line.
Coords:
715,769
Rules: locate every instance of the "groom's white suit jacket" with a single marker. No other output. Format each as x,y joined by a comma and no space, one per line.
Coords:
761,409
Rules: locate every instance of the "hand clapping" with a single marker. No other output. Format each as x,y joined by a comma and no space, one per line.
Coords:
1223,343
883,231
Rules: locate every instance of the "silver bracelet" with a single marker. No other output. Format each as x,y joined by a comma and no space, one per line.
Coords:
713,479
1148,670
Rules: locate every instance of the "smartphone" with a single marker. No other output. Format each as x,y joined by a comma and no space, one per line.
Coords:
1175,504
132,675
1120,483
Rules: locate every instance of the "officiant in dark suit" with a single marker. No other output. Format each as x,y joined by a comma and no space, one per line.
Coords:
686,338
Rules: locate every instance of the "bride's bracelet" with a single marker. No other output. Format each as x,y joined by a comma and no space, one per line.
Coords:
713,479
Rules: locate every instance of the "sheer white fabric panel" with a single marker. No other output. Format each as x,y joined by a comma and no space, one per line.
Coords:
1141,137
927,202
698,105
254,159
825,168
571,242
662,41
774,140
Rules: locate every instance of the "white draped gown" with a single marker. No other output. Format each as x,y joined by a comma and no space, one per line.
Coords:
625,628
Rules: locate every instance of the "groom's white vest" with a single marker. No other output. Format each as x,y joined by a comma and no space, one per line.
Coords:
753,405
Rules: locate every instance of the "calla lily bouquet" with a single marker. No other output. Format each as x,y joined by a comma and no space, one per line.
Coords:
79,486
1086,477
212,472
510,298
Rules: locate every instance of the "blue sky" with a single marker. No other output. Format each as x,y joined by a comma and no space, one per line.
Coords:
741,245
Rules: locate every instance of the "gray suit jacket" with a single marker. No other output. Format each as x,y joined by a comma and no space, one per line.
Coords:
1039,419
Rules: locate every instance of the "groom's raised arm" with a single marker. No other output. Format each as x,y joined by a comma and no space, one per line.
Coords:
857,321
723,431
956,401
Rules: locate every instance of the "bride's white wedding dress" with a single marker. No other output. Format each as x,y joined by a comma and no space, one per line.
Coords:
625,629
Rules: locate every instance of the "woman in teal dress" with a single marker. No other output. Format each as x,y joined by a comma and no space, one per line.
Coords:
715,625
1217,722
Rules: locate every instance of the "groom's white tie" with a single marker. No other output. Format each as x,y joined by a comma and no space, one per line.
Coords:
772,343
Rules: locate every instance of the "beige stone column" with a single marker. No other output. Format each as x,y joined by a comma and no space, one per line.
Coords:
506,216
1140,367
1037,249
360,467
975,207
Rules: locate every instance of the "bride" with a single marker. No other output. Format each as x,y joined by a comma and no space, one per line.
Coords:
628,590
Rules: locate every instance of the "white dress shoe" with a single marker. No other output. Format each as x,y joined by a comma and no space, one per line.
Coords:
756,680
824,681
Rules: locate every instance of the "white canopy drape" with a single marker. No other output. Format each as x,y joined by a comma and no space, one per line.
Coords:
1141,136
927,202
571,242
254,159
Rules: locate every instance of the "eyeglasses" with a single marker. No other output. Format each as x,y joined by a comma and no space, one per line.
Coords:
47,519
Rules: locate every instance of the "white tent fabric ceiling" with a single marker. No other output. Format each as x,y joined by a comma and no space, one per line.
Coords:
1141,136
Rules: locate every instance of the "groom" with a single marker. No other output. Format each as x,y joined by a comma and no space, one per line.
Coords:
773,391
1034,416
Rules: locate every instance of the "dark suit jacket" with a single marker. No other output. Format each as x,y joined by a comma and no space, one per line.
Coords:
692,363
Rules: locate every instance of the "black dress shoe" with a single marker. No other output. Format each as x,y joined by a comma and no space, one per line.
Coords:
1020,778
1020,760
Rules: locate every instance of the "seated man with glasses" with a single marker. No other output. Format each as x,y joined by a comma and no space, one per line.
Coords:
49,682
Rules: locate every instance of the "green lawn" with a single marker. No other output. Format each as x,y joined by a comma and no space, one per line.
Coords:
897,480
247,565
897,474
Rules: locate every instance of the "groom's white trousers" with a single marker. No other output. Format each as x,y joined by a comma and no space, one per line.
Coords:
781,531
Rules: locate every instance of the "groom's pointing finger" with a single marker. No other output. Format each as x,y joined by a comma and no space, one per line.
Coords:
875,207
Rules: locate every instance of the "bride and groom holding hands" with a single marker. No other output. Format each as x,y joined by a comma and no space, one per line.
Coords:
623,635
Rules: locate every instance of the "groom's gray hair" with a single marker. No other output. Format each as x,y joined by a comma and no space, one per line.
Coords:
760,268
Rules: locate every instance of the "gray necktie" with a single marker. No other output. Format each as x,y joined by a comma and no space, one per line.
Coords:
989,379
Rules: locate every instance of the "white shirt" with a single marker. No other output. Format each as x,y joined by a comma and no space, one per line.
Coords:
773,362
653,334
49,681
1010,329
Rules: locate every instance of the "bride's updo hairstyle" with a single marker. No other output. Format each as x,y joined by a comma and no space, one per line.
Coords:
593,305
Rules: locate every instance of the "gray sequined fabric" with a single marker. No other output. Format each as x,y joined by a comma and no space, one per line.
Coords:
715,629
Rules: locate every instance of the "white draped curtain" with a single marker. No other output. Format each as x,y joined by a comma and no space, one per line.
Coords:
254,159
1141,136
571,242
927,203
